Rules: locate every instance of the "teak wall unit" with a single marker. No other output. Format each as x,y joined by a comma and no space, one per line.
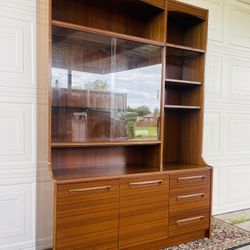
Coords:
126,109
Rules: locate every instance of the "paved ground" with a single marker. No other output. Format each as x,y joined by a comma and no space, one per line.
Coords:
228,217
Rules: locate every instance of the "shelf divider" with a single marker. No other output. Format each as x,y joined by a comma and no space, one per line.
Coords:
103,144
182,107
178,82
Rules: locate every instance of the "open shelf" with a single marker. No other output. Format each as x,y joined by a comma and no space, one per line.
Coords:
63,174
184,49
186,29
88,162
182,135
103,144
143,19
182,107
183,96
177,82
184,65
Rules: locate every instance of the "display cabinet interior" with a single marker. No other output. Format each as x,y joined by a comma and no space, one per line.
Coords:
104,88
143,19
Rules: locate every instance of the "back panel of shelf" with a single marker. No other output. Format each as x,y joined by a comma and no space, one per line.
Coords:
184,65
90,162
183,136
185,25
130,17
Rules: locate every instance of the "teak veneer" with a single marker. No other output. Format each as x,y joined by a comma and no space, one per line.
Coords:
126,124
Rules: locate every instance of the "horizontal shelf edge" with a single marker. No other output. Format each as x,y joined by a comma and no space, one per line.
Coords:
103,144
181,107
155,4
106,33
181,47
182,81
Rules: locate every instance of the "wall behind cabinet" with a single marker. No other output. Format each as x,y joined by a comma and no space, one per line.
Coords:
17,124
227,102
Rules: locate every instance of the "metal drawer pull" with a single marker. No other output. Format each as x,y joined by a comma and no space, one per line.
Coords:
190,196
188,178
91,189
189,220
145,183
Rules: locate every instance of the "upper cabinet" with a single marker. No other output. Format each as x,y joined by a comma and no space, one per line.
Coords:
104,88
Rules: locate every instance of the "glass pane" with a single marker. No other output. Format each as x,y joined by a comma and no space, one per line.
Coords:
138,77
103,88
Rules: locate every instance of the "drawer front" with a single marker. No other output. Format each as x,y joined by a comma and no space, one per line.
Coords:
189,221
182,199
87,215
143,210
190,178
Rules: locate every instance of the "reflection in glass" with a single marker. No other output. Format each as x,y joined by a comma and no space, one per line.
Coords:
103,88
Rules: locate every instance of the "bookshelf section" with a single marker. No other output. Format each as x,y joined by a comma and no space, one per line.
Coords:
183,106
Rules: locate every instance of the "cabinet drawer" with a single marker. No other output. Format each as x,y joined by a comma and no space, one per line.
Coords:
189,221
190,178
87,215
182,199
143,210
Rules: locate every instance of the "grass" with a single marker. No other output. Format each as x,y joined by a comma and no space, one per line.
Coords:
239,221
151,132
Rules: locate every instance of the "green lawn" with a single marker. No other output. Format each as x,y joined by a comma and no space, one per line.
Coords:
240,220
146,132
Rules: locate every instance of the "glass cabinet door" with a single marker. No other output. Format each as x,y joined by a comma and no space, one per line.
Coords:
103,88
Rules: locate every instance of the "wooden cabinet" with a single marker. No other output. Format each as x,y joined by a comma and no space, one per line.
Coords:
143,210
126,123
87,215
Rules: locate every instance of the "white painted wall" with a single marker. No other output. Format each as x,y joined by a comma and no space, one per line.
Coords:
17,124
26,201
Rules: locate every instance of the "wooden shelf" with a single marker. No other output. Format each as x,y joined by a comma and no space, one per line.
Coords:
72,26
177,82
182,107
179,51
181,47
156,3
103,144
101,172
181,165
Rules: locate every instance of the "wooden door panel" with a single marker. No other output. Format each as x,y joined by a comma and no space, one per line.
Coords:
143,210
87,215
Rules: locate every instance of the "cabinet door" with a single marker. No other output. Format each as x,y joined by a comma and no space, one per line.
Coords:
87,215
143,210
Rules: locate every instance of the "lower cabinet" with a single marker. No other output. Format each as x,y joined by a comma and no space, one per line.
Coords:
87,215
143,210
